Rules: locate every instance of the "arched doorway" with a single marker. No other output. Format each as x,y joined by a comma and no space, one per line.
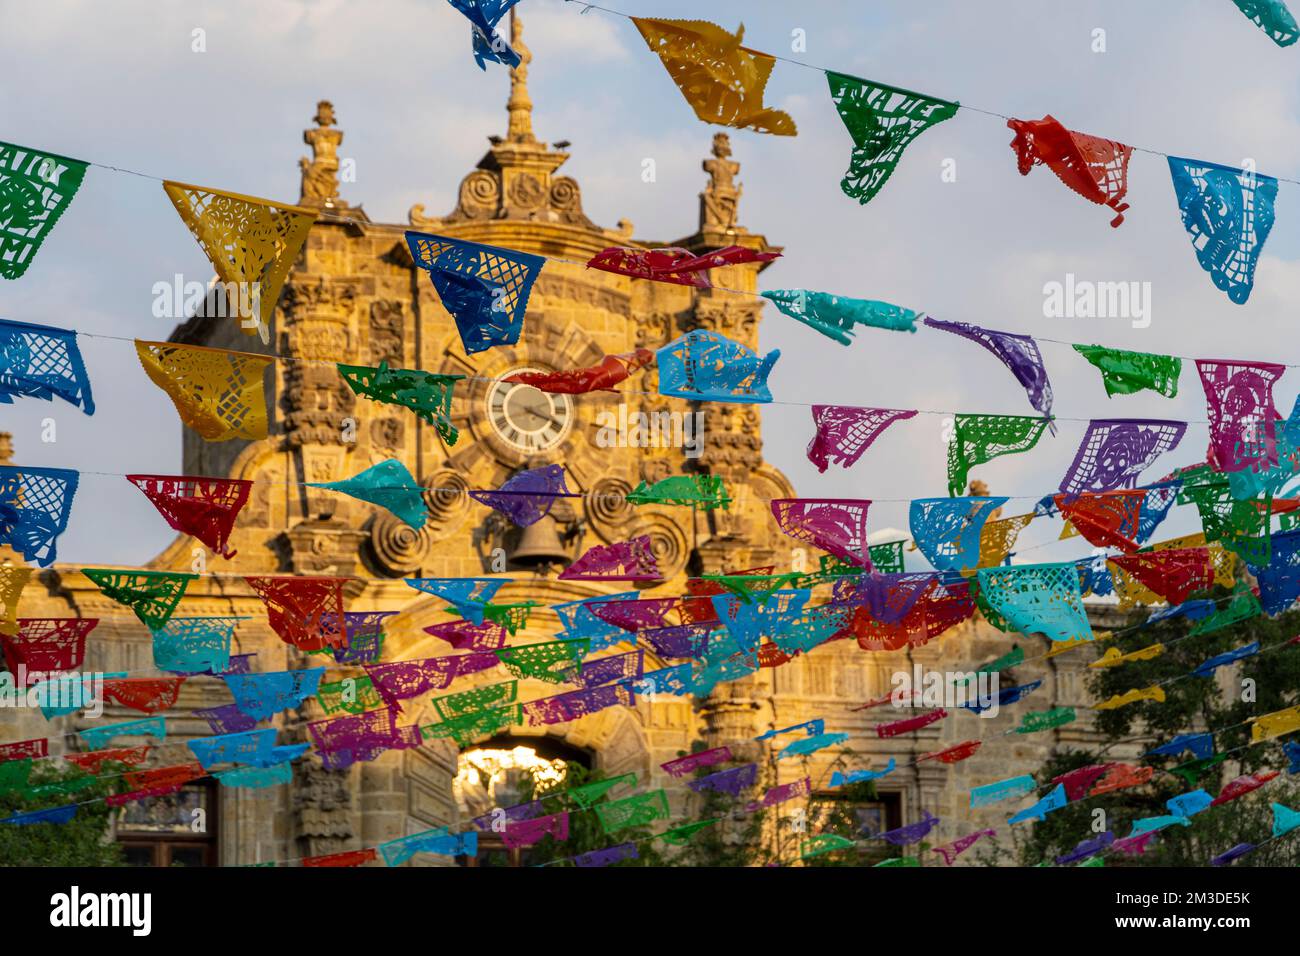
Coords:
493,774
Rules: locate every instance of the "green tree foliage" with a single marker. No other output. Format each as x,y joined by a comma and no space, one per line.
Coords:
585,833
82,841
1224,703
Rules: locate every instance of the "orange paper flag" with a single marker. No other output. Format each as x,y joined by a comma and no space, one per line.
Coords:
721,80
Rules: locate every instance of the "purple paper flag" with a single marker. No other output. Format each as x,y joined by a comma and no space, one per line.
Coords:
607,856
1242,416
844,432
1019,353
527,497
622,561
1115,451
911,833
730,782
837,526
634,614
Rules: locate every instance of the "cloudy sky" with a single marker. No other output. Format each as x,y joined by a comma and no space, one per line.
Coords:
120,84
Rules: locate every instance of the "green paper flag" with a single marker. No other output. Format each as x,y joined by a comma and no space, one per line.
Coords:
1037,720
1243,606
352,695
1242,526
705,492
152,595
638,811
426,394
1124,373
755,587
882,120
977,439
680,836
556,662
451,706
35,189
834,316
824,843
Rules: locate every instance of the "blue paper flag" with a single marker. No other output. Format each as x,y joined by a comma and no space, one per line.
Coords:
674,681
1279,582
467,595
947,530
388,484
483,16
1201,746
1039,811
37,361
749,623
1228,212
1292,751
703,365
261,696
255,748
1207,668
34,508
55,815
1189,804
578,622
1006,695
1001,790
839,779
484,288
438,841
1192,610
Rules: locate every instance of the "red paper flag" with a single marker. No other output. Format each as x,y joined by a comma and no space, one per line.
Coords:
1095,168
346,858
93,761
22,749
48,643
672,264
910,724
610,371
954,754
148,695
307,612
203,507
1173,573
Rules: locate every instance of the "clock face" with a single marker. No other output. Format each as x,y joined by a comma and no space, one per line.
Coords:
526,418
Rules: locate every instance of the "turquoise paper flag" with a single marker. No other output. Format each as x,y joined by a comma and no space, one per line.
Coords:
1284,819
834,316
388,484
1037,599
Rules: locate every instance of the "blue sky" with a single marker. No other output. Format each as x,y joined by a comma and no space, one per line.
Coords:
120,85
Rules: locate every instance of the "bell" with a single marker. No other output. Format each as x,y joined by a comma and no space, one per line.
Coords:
538,545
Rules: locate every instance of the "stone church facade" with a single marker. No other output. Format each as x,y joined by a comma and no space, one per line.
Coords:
355,296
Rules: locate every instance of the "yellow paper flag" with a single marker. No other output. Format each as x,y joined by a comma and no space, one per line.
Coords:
1154,693
216,392
721,80
997,538
13,578
1275,724
252,243
1113,657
